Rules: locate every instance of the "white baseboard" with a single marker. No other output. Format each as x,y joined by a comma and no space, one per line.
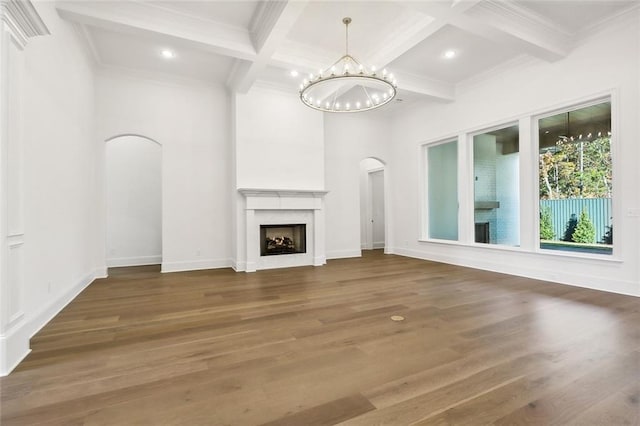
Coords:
134,261
607,284
378,245
195,265
319,261
14,346
342,254
240,266
101,272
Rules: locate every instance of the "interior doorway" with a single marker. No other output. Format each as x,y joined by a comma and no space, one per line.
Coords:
133,176
372,204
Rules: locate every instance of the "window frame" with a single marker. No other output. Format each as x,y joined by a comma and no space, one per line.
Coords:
471,173
528,174
424,190
611,97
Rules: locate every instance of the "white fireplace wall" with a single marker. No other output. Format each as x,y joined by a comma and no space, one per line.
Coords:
278,143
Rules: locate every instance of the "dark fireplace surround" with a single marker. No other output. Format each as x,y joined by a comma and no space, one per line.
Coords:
283,239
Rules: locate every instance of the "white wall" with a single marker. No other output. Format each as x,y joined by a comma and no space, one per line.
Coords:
192,122
59,214
279,141
134,201
608,61
350,138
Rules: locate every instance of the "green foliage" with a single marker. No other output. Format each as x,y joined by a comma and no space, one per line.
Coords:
561,174
546,224
585,231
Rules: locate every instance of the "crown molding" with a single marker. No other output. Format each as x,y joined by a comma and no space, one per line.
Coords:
23,20
156,77
533,32
626,16
511,11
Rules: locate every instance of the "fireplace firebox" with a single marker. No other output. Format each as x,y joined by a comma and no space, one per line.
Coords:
283,239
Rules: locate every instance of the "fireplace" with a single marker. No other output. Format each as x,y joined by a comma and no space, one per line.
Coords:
277,209
283,239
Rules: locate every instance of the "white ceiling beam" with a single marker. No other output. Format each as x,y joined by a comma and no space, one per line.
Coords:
438,90
270,25
144,18
510,24
413,28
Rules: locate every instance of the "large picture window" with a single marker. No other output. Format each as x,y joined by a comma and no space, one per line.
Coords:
496,190
575,180
442,178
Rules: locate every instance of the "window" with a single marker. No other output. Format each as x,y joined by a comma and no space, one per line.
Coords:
496,160
575,180
442,178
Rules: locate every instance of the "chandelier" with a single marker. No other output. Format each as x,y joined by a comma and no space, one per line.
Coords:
348,85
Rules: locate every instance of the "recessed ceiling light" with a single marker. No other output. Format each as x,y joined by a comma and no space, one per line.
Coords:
168,54
294,73
449,54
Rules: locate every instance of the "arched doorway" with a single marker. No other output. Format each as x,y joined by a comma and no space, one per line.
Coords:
133,177
372,204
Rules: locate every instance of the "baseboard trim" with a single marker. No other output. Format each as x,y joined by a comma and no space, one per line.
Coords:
134,261
607,284
45,315
195,265
343,254
14,346
101,272
238,266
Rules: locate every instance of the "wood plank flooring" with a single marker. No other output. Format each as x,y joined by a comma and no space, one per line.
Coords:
316,346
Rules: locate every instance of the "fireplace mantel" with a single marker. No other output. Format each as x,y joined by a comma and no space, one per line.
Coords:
256,192
282,199
277,207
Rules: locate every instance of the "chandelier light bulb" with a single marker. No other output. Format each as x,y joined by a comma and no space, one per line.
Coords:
358,105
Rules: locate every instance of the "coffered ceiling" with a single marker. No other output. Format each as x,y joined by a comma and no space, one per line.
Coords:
239,43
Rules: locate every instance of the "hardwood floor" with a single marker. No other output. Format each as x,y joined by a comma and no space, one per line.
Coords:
311,346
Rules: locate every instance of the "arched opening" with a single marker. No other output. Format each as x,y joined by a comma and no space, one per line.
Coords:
372,204
133,187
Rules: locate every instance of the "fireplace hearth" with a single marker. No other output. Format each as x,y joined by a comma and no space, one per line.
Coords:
282,239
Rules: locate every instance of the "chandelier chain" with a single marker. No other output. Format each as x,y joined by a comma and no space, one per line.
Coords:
346,21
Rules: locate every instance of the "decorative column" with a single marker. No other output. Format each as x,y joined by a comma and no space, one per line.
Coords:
18,22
